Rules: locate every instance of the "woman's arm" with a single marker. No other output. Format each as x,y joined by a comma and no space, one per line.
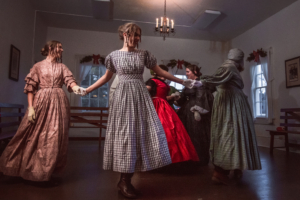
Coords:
167,75
30,98
101,81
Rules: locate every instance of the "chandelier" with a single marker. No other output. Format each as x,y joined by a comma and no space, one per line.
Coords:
164,29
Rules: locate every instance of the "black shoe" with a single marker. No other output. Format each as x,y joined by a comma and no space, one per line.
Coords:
125,186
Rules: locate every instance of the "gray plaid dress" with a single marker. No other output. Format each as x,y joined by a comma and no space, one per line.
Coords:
135,139
233,140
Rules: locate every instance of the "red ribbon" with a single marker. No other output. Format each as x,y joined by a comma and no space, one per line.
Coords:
256,55
180,63
96,59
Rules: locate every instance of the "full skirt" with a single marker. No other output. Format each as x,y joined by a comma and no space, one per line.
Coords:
40,149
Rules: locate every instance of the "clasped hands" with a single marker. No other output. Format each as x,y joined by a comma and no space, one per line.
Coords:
191,83
79,90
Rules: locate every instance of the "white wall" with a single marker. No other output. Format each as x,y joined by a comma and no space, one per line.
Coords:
16,28
281,32
79,42
40,36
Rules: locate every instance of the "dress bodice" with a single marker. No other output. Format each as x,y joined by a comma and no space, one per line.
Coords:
48,75
162,89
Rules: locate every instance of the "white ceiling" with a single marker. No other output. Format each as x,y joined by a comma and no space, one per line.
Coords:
237,15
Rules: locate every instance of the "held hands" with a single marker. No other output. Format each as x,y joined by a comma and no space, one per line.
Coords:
79,90
31,114
176,96
191,83
197,110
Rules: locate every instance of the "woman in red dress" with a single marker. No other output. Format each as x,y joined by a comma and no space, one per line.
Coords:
180,145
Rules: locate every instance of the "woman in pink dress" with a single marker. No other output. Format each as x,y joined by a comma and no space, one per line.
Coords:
39,147
180,145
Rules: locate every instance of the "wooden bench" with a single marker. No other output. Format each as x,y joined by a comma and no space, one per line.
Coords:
6,106
78,118
290,116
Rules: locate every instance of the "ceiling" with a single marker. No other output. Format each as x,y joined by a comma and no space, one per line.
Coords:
237,15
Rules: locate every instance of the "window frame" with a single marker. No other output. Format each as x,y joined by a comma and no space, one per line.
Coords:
260,116
89,96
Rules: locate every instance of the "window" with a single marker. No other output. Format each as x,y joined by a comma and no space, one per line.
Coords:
177,85
99,97
260,93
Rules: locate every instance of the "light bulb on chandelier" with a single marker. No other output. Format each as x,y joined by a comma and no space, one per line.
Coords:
164,29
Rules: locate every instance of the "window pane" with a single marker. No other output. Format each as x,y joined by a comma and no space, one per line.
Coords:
257,95
261,102
177,85
94,78
95,70
103,102
94,102
94,94
263,81
259,69
86,80
85,102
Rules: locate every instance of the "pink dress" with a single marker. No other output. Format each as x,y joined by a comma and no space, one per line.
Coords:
40,149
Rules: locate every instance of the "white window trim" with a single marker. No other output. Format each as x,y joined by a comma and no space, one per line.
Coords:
269,119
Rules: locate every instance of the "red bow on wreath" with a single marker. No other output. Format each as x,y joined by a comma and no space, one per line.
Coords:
96,59
180,63
256,55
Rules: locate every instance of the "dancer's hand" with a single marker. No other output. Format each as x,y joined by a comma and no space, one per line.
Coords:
197,110
75,89
197,116
79,90
176,96
189,83
82,91
31,114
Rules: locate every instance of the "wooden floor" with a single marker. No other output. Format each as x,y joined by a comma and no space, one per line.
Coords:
84,179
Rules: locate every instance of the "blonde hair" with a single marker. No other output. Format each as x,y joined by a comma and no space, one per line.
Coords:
129,28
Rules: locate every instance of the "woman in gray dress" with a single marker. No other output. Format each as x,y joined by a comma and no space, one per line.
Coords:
191,101
135,139
233,141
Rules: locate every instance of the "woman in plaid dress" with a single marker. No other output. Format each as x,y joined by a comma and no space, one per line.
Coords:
135,139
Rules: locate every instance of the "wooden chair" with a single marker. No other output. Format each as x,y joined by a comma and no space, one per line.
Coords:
9,134
289,114
78,118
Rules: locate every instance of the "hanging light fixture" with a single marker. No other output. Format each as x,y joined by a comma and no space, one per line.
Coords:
164,27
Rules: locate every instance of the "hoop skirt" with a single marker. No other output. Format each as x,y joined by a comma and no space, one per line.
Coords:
180,145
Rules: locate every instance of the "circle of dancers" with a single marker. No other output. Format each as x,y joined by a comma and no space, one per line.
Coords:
143,131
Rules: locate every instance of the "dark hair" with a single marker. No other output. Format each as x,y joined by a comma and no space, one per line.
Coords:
129,28
195,70
164,67
52,44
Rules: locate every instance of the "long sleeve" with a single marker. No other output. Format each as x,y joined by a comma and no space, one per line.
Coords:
222,75
32,81
68,78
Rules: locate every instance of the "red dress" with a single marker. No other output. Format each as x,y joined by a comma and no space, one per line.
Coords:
180,145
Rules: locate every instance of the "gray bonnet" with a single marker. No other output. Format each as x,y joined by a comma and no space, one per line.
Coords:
236,55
